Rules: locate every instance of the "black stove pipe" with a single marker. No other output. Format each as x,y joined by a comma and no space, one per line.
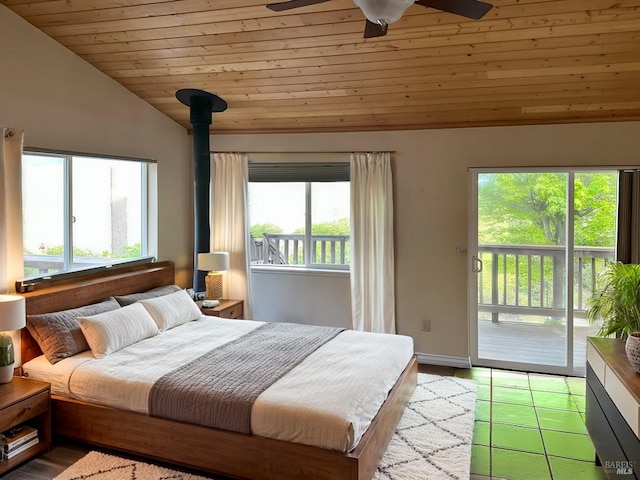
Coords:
202,105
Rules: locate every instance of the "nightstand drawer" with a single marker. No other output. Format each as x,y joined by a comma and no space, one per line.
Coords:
24,410
232,312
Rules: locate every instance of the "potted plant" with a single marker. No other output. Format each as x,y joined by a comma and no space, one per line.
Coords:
6,358
616,302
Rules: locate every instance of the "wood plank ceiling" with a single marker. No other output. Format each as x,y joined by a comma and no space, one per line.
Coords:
311,70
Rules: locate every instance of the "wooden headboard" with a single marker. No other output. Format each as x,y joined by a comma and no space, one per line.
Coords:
91,288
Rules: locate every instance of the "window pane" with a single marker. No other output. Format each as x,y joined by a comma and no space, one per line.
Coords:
330,207
107,211
277,219
43,214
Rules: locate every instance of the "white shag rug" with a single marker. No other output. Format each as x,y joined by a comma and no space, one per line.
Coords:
432,442
433,438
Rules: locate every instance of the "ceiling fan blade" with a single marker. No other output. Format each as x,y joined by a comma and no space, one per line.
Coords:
466,8
282,6
372,30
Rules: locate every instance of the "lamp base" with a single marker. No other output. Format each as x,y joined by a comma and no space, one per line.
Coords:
213,282
6,373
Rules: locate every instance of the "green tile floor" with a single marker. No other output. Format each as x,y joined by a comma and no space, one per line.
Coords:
530,427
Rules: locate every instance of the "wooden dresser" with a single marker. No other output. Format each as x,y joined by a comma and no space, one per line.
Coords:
613,408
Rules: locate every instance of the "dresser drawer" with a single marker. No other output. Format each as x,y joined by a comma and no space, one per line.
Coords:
624,401
24,410
596,362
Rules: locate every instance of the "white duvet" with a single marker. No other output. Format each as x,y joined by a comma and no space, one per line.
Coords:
327,401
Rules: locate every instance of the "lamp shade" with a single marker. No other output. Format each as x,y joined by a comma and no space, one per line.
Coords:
383,12
12,313
213,261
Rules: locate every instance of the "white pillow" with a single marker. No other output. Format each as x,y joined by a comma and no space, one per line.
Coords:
112,331
172,310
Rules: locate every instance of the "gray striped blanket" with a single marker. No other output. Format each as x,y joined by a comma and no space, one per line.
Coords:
218,389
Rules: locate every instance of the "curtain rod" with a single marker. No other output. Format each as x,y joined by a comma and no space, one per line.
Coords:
299,153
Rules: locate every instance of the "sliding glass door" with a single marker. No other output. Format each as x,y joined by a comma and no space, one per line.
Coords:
538,242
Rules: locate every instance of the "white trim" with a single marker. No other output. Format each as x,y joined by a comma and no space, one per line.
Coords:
551,169
308,225
569,280
300,271
472,251
444,360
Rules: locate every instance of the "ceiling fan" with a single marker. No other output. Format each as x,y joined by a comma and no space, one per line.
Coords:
380,13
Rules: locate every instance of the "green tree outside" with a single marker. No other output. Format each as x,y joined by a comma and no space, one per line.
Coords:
259,229
530,209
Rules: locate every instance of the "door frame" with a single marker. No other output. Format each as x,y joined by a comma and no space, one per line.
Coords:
472,252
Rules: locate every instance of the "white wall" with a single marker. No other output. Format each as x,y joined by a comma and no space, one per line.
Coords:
312,298
431,182
63,103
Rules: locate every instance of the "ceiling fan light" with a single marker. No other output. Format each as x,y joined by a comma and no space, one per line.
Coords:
383,12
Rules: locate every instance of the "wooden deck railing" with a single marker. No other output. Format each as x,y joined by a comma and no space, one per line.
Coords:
530,279
44,263
288,249
37,266
515,279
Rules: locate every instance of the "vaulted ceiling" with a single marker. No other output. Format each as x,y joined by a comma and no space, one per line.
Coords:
310,69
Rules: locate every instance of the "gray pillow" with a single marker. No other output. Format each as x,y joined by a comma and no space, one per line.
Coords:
125,300
58,333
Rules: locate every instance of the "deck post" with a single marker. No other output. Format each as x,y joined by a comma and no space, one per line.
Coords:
495,316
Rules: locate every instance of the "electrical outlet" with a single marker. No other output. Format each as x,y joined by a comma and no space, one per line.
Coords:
426,325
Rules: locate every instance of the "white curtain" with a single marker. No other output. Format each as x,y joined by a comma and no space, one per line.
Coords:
229,223
11,253
372,253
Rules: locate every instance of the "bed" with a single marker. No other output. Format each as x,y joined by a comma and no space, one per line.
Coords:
206,448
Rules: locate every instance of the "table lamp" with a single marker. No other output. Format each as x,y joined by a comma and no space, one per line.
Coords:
12,317
215,263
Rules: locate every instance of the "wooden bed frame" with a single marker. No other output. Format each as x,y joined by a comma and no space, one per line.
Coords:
202,448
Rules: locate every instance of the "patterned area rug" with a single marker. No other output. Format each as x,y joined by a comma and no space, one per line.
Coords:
433,441
433,438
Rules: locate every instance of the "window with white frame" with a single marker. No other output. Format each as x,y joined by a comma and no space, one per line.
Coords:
299,214
82,211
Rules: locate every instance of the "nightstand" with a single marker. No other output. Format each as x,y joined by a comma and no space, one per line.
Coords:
26,402
226,309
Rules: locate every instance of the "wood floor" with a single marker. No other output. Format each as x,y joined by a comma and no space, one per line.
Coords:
50,464
537,344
